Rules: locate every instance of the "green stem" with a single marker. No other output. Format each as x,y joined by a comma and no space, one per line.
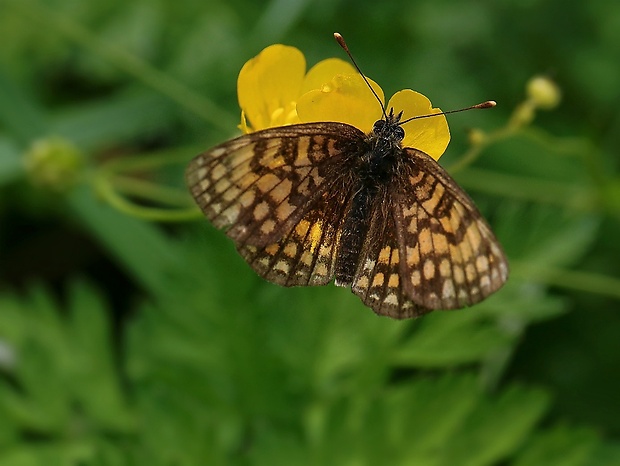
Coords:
572,279
529,189
104,188
150,191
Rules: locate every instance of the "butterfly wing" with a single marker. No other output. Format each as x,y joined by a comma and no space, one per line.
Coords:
450,258
259,186
380,272
307,254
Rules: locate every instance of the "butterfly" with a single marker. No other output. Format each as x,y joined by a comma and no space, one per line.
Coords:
311,203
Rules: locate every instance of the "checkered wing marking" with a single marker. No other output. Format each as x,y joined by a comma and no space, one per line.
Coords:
307,254
259,186
380,271
451,257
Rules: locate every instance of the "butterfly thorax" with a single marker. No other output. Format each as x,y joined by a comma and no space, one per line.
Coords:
376,168
383,147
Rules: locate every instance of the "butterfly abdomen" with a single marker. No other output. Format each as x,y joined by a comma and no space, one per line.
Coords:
354,231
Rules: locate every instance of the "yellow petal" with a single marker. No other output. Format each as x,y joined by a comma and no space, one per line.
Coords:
324,71
269,84
430,135
346,99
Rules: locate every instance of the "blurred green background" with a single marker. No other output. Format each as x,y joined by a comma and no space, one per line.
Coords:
126,341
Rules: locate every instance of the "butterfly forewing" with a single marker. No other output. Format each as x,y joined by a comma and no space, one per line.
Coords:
259,186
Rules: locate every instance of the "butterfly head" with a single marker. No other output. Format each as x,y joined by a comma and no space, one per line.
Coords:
387,133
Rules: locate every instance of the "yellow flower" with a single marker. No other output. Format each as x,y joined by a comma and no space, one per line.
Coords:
274,90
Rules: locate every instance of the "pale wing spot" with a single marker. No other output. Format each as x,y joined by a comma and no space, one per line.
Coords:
272,249
205,198
394,280
395,256
306,258
267,182
445,268
231,194
321,269
378,279
216,173
470,272
448,291
362,282
440,243
222,185
369,265
485,282
303,145
216,208
267,226
482,264
217,152
261,210
416,278
302,228
474,236
384,255
429,269
247,198
232,213
284,210
205,184
282,266
391,299
290,249
281,191
247,180
413,256
459,275
426,241
264,261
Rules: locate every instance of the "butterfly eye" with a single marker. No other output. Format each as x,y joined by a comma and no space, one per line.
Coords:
378,126
399,132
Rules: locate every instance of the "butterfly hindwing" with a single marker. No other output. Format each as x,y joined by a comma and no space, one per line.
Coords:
307,255
378,278
451,258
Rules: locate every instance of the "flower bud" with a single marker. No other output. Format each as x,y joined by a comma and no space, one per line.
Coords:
543,92
53,163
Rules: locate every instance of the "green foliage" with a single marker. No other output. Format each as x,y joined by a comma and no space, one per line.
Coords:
123,342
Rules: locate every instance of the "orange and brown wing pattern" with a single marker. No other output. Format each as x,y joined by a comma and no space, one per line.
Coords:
450,258
378,279
258,186
307,254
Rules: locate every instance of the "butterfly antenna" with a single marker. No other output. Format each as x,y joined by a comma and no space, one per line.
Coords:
344,46
487,104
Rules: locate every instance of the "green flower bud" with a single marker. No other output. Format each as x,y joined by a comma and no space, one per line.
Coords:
543,92
53,163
